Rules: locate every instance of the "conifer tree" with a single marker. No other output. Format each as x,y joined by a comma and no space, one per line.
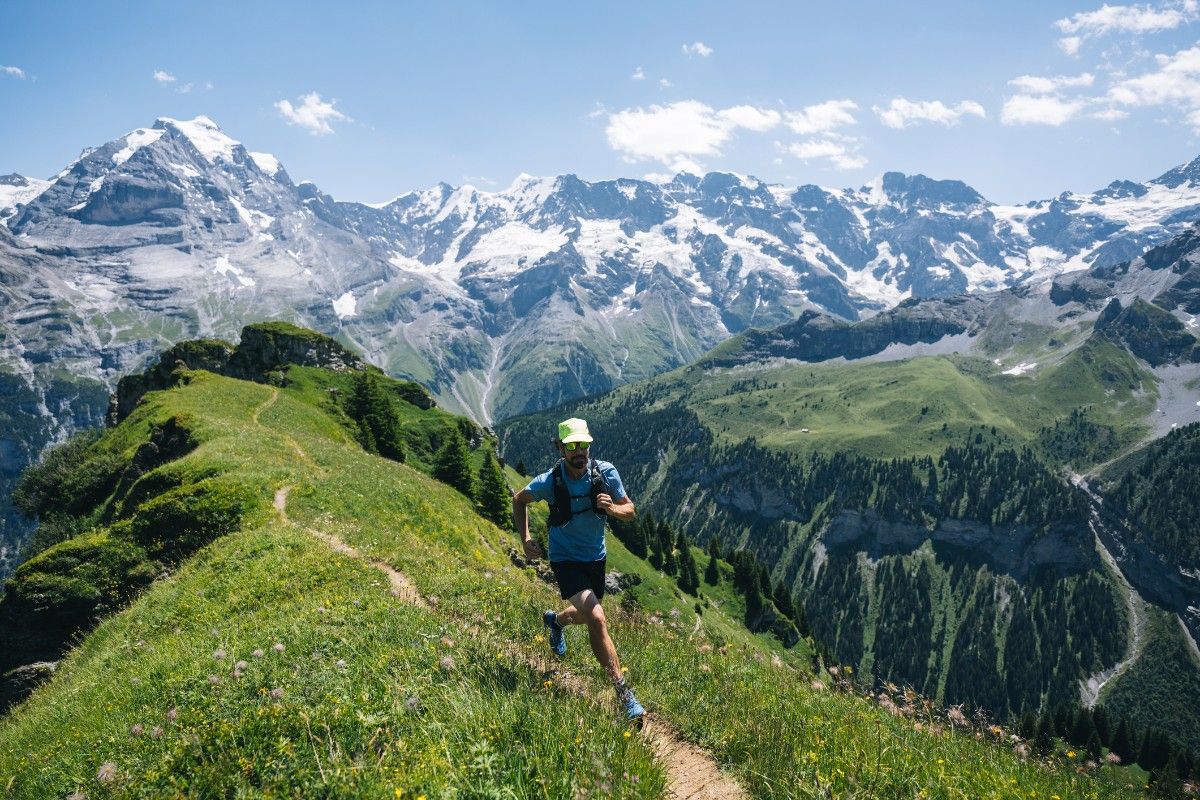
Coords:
656,550
666,537
1123,743
783,600
1094,748
495,500
689,575
371,408
521,468
712,573
1043,738
452,464
637,543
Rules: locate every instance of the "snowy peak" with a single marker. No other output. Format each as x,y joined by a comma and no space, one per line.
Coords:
203,134
1188,173
18,190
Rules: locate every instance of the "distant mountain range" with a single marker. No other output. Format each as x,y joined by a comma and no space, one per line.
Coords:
500,302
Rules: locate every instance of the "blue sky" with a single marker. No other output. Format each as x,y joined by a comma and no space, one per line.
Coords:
370,100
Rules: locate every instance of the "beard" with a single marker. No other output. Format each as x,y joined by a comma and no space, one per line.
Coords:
577,459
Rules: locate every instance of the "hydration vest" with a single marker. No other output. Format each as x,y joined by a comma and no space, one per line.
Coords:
560,509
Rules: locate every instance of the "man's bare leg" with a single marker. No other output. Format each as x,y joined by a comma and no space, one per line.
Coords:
586,610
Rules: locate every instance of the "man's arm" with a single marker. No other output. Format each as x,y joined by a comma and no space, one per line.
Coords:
617,509
521,501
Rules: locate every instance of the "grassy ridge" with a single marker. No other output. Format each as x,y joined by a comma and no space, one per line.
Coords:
480,725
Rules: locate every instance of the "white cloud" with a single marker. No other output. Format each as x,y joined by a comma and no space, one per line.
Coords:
16,72
751,118
901,112
1070,44
187,87
678,133
638,75
1110,114
313,114
1122,19
1033,84
664,83
1175,82
163,77
841,152
822,117
697,49
1024,109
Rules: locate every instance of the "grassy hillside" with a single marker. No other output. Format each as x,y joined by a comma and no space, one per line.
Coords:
267,663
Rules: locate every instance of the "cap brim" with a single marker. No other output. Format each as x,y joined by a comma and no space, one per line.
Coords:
577,438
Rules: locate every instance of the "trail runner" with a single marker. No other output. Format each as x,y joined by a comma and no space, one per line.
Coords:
582,492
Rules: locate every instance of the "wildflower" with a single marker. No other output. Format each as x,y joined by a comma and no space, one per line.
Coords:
833,671
849,670
107,772
956,716
627,734
548,683
316,656
447,663
413,703
1070,754
258,653
278,648
776,661
1112,758
277,693
139,644
239,666
137,729
214,680
219,653
156,732
817,686
1022,750
539,638
77,795
340,664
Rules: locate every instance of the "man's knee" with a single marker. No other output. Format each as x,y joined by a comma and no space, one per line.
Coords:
594,616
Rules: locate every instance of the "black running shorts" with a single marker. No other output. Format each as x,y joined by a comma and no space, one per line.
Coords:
575,576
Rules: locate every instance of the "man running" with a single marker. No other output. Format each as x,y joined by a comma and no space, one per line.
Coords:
581,492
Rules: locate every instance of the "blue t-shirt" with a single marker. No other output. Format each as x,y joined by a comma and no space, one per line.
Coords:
581,539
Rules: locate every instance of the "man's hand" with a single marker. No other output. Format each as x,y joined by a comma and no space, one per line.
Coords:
622,509
532,549
604,502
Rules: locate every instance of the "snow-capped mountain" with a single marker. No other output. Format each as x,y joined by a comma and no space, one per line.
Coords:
501,302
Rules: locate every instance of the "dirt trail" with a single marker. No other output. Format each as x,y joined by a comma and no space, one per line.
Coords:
692,774
299,451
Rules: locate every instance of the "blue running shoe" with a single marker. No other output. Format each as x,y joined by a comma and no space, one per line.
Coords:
633,709
558,642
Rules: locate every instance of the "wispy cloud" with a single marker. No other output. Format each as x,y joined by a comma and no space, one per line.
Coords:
1024,109
677,134
827,116
1034,84
1135,19
16,72
697,49
1174,84
901,112
842,152
638,75
664,83
313,114
163,76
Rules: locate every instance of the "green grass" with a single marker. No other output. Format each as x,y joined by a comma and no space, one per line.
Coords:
487,725
909,408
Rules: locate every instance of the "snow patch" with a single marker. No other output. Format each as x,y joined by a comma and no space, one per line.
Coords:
267,163
134,142
11,196
255,220
205,136
345,306
225,267
1021,369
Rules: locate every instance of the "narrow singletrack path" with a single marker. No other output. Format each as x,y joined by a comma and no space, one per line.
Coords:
692,773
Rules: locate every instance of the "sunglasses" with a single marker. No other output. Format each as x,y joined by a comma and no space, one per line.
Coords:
571,447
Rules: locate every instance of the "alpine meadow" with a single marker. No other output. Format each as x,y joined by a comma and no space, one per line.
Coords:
815,415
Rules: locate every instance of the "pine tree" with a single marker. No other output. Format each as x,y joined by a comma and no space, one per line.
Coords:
689,576
372,410
656,546
452,464
1123,743
495,500
667,537
783,601
1094,748
1043,738
712,573
521,468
